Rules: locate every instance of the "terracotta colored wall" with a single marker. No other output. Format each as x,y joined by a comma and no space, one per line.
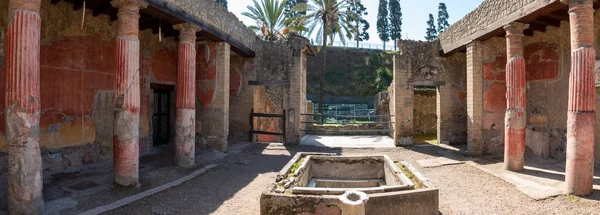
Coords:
206,73
73,70
263,104
542,55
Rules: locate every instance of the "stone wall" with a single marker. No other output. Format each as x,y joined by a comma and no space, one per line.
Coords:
428,66
491,14
218,17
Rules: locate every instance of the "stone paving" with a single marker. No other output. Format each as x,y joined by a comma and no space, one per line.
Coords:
348,141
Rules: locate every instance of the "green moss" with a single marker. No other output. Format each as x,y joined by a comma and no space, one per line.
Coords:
411,176
296,166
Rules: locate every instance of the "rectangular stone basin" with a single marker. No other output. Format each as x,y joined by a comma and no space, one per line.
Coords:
312,183
334,175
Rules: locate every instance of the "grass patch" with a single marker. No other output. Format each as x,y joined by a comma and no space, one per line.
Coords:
296,166
411,176
426,139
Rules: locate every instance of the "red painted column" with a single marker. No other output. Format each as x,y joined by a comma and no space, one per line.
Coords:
23,108
516,92
127,93
582,100
185,125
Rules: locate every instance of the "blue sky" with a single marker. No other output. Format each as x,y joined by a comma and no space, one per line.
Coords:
414,12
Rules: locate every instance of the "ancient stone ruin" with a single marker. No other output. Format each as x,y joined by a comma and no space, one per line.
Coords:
311,181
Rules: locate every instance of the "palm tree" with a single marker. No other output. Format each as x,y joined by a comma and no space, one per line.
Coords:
269,16
332,18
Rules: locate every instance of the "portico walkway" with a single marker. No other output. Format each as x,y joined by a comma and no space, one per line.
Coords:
367,141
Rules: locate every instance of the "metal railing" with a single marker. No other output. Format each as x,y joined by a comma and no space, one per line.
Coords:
318,119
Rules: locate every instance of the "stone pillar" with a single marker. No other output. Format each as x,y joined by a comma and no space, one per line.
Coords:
219,129
475,98
516,101
127,93
582,100
185,123
403,101
444,114
294,126
23,108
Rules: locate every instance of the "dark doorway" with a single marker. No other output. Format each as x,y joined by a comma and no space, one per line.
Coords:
161,117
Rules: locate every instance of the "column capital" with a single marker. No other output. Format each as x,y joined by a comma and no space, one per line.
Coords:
515,28
28,5
187,32
588,3
140,4
129,15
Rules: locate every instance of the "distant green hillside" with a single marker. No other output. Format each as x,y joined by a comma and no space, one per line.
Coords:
350,72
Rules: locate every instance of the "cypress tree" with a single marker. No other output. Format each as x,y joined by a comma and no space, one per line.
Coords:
222,3
443,17
383,24
431,33
362,25
395,22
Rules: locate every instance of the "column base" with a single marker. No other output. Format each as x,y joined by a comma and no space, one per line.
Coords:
126,149
580,153
185,137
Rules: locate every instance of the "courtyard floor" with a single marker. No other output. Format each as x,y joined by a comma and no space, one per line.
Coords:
235,186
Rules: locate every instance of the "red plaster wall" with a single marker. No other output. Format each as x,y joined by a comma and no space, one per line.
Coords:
494,96
495,70
206,72
542,61
164,65
73,70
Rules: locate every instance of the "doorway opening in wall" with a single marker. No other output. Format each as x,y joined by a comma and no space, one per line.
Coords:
161,114
425,115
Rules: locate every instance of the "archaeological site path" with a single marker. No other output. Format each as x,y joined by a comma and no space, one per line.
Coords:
235,186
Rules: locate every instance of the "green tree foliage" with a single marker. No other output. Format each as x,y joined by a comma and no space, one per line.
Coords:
361,25
222,2
329,17
289,8
290,13
383,24
431,33
384,78
443,17
269,16
395,22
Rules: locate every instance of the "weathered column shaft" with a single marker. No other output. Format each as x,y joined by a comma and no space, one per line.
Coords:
185,124
23,108
444,114
219,129
582,100
475,98
402,101
127,93
516,80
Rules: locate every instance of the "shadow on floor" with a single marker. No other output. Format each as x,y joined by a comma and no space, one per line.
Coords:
233,177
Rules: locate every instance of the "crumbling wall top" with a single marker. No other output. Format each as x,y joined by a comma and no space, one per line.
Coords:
211,13
489,16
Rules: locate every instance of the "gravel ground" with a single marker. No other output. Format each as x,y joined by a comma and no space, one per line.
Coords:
234,187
